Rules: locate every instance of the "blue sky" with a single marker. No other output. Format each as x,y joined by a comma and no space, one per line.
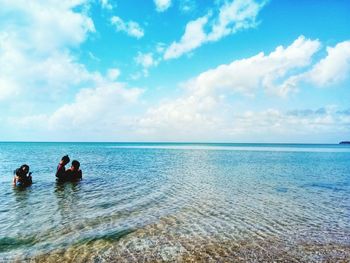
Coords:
175,70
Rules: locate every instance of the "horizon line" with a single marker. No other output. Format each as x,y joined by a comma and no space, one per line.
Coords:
172,142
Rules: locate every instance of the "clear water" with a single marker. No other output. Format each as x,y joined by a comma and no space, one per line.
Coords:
177,202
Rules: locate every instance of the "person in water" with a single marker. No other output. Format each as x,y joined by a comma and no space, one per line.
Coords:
74,173
61,168
22,176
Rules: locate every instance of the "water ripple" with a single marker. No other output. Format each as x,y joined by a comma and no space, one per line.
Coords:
190,204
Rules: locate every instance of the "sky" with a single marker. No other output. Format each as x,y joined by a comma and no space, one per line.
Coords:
175,70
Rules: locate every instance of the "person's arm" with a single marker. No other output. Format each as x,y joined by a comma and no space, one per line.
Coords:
61,170
14,180
57,171
30,178
80,174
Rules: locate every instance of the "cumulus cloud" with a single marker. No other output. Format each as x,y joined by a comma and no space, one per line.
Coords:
113,74
146,60
107,100
193,38
37,64
98,111
233,16
267,71
162,5
25,73
34,45
205,110
181,117
332,69
105,4
49,25
131,28
329,71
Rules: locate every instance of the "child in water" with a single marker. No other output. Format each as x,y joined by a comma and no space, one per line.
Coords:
61,169
22,176
74,173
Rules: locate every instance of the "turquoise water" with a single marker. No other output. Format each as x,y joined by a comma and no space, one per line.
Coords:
177,202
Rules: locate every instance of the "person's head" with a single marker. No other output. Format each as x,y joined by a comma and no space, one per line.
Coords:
75,165
24,168
65,159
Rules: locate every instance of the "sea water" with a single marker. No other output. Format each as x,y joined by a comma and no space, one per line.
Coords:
177,202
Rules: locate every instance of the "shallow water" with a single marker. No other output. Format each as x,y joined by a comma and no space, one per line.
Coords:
182,202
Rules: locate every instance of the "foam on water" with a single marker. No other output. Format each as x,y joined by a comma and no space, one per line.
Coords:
150,203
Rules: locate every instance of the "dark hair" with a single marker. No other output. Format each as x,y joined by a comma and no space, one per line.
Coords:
76,164
19,171
65,158
26,166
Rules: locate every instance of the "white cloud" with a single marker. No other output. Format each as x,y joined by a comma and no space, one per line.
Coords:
194,37
146,60
34,46
49,26
233,16
105,4
131,28
8,87
99,106
332,69
193,119
113,74
37,65
187,6
100,112
26,73
184,115
160,47
39,121
273,123
267,71
162,5
184,120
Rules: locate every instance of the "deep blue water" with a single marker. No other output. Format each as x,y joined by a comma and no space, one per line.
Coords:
170,200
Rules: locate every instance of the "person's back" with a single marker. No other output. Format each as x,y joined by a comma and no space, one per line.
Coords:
61,168
74,173
22,176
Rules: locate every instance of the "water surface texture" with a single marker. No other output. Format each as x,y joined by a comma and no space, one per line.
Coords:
178,202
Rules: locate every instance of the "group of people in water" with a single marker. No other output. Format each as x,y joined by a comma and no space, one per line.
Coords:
22,176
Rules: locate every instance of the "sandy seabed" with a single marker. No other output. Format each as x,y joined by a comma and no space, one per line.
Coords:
157,243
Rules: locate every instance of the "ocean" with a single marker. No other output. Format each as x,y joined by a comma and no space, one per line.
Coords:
177,202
